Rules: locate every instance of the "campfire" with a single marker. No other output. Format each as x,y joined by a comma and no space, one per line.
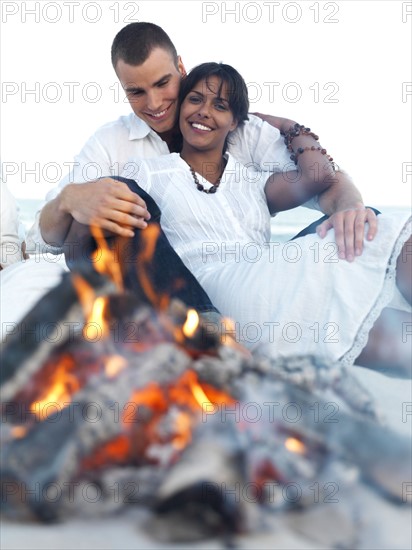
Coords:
110,401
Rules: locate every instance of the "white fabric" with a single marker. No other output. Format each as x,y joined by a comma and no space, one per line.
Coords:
296,297
115,147
11,234
21,286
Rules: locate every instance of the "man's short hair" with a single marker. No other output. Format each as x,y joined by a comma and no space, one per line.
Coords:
135,42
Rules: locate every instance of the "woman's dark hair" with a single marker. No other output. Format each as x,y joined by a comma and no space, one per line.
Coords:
236,89
135,42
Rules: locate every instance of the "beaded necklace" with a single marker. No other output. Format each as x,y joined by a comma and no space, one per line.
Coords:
200,187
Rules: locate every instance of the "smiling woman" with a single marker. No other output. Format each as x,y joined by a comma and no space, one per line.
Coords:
205,122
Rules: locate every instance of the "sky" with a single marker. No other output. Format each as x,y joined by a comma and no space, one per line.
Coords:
342,68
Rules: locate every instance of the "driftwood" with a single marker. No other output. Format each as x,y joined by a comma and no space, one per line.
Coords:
27,349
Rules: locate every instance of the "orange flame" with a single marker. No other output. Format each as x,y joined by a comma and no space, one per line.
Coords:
191,323
142,427
93,308
199,394
104,258
62,386
149,238
85,293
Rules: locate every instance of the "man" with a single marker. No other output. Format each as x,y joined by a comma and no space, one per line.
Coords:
149,69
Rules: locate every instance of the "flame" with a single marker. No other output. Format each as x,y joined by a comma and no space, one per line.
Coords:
295,445
191,323
200,395
62,386
116,451
93,308
149,238
179,402
104,260
96,316
85,293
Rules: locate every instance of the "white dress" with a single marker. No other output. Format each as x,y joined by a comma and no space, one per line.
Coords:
295,297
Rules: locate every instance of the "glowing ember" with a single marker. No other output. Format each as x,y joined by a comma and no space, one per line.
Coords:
295,445
183,430
18,432
143,417
114,365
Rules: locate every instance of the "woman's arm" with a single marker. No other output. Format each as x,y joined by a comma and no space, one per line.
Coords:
314,174
337,195
343,202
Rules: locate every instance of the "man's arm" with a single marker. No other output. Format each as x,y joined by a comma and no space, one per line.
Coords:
282,124
107,203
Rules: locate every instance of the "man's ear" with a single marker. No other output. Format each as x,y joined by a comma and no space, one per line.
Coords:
181,66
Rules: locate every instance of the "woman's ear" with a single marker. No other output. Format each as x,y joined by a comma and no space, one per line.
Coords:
234,125
180,66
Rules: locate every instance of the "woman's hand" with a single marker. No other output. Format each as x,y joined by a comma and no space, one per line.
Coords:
349,226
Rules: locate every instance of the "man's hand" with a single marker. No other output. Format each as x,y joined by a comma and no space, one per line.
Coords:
106,203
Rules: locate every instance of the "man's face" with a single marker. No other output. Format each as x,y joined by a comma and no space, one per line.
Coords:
152,88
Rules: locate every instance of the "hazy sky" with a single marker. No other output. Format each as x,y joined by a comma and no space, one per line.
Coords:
343,68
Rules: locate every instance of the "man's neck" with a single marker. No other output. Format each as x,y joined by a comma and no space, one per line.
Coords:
172,139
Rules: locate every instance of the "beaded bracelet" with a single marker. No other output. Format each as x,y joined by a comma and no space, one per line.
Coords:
298,130
301,150
295,131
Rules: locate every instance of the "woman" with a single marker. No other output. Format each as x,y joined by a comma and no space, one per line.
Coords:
296,298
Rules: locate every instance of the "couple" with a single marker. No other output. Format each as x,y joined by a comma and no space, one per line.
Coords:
151,76
210,204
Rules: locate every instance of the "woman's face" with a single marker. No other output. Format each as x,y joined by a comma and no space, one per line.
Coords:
205,116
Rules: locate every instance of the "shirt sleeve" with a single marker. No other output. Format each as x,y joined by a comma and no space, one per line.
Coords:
91,163
260,145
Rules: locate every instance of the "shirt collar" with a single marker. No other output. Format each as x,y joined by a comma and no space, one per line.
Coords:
138,128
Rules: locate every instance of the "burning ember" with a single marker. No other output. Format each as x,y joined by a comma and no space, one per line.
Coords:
148,395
